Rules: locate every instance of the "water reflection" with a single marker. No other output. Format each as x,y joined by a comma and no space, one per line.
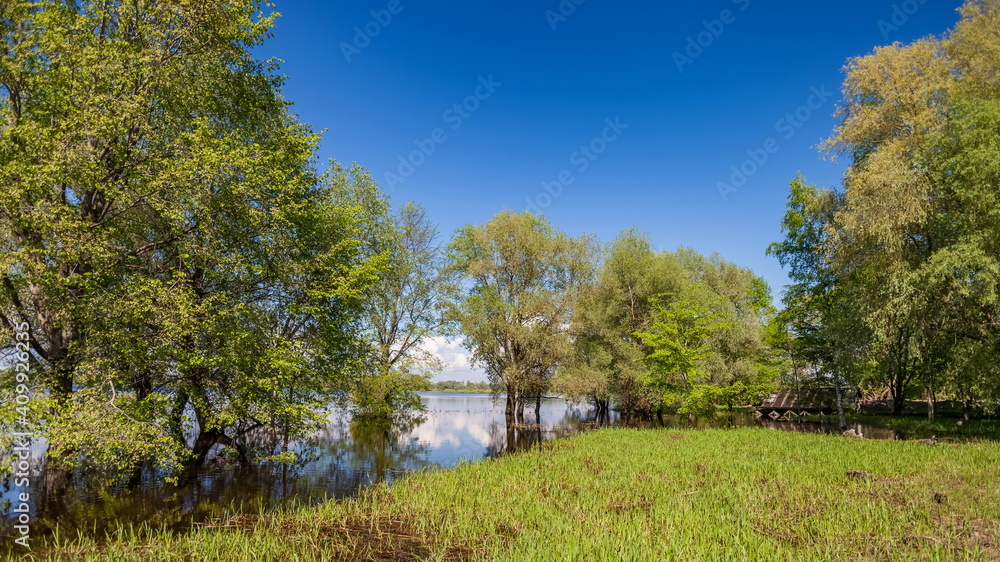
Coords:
338,461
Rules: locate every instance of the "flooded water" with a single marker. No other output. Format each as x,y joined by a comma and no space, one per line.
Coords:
337,462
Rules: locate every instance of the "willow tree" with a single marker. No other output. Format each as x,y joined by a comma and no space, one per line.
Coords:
915,229
706,342
164,234
521,276
743,364
405,307
660,329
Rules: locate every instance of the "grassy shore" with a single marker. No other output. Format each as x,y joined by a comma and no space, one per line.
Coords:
625,494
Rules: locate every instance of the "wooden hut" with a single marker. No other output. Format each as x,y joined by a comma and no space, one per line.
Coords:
788,403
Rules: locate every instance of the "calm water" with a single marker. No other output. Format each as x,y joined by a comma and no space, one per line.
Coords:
338,461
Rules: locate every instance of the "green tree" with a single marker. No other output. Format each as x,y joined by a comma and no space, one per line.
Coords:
521,276
913,241
164,233
811,312
608,359
405,307
634,286
680,340
743,363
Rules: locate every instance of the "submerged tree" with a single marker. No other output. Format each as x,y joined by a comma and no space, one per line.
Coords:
522,276
164,232
608,358
405,308
632,330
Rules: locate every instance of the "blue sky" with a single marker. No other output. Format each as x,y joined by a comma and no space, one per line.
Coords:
631,113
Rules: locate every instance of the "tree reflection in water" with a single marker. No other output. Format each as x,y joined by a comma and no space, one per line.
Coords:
384,448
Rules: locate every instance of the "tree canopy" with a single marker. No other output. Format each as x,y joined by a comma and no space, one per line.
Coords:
897,273
521,277
165,234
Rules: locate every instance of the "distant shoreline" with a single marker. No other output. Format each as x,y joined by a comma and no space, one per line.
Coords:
456,391
546,397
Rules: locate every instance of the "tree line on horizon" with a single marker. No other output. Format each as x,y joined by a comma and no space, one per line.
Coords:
458,386
185,265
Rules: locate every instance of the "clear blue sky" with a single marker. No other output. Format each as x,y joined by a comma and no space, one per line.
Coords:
544,93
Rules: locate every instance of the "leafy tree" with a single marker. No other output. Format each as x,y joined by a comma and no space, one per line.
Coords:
459,386
405,307
164,233
679,339
522,276
613,330
741,354
608,359
812,311
911,242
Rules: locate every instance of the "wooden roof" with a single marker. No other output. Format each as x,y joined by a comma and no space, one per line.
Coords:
805,399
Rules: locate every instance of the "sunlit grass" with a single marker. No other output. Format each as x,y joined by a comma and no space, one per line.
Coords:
625,494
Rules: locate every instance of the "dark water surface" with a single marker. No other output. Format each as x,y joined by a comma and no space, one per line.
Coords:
337,462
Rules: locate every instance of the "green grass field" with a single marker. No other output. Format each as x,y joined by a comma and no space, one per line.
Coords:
624,494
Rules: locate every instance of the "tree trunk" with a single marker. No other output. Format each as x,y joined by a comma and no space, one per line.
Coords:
930,403
208,439
135,478
64,384
897,395
928,379
143,386
175,421
602,415
538,408
966,407
840,401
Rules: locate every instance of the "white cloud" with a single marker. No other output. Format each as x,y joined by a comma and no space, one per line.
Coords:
453,428
455,358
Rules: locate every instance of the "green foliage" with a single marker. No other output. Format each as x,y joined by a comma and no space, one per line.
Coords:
389,394
655,324
405,307
896,280
522,276
679,337
459,386
164,233
286,457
